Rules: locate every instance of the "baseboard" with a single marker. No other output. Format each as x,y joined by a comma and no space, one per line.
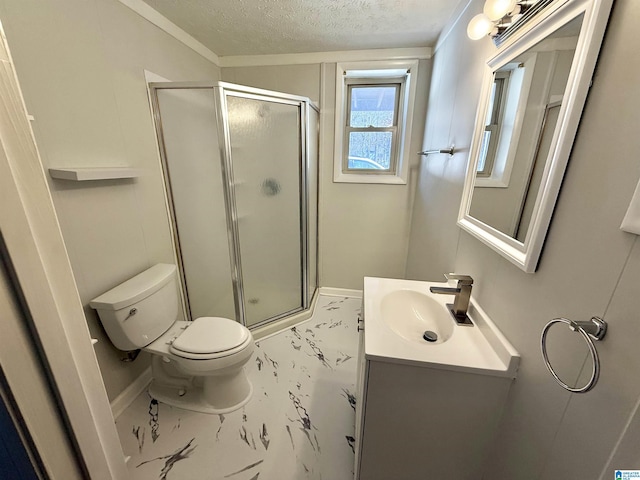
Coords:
340,292
129,394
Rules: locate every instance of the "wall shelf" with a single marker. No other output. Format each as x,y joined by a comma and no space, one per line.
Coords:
81,174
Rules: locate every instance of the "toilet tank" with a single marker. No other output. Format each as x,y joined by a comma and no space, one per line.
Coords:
141,309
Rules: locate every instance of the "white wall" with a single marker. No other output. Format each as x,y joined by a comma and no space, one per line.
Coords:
453,98
364,229
303,80
81,66
589,267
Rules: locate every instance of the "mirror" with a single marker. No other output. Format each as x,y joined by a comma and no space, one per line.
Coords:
526,96
532,98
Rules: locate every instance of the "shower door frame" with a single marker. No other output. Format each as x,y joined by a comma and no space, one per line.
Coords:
220,91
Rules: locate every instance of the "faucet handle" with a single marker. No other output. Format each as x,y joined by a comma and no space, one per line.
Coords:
462,279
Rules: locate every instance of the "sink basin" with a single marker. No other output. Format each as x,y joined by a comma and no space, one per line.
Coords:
398,312
409,314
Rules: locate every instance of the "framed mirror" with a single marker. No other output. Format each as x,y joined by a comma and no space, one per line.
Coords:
533,94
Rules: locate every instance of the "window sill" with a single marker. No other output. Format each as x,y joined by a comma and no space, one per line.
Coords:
371,178
490,182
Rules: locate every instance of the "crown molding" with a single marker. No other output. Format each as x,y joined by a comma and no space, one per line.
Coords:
325,57
459,11
163,23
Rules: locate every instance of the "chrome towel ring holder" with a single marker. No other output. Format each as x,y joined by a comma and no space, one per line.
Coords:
595,329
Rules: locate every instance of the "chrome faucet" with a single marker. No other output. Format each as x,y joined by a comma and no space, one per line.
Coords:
462,295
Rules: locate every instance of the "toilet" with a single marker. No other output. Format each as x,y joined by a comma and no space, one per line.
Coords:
196,365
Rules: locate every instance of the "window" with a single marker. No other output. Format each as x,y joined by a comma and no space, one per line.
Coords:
495,114
374,106
371,131
500,145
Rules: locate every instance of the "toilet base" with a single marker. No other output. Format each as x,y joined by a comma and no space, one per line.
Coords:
193,399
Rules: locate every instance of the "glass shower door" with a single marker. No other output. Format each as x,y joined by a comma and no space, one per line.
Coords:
191,158
266,148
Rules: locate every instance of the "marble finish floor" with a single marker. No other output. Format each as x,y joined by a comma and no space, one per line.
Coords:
299,424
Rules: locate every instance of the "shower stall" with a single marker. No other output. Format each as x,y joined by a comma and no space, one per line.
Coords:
241,174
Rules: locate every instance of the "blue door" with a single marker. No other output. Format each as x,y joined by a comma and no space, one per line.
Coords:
14,460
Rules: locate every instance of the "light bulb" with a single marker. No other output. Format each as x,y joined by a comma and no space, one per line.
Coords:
496,9
479,26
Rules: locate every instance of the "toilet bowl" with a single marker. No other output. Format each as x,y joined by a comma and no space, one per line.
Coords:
195,365
192,371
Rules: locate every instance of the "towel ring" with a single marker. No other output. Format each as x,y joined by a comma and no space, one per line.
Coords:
595,329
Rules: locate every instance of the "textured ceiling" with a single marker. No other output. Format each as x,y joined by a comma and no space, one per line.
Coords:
255,27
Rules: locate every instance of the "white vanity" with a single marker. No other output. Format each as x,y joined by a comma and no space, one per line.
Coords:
426,409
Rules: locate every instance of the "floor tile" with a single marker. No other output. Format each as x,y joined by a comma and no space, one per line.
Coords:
298,425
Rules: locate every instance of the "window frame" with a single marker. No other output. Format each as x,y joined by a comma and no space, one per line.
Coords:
501,82
518,92
350,83
402,72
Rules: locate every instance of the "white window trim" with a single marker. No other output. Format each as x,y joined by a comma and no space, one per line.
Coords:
517,97
500,103
390,68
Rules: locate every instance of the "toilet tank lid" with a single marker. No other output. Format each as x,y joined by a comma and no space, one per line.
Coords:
135,289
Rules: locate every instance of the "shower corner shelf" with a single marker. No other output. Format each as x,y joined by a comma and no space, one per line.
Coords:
80,174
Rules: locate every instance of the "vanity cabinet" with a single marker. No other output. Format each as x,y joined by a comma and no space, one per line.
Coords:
422,420
422,423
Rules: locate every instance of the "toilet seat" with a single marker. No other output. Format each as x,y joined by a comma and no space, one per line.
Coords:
211,337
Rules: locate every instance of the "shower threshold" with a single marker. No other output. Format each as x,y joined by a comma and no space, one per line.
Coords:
275,325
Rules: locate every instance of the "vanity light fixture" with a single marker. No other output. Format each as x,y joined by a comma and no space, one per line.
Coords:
496,9
497,16
479,26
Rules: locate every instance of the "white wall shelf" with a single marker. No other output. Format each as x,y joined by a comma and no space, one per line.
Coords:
81,174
